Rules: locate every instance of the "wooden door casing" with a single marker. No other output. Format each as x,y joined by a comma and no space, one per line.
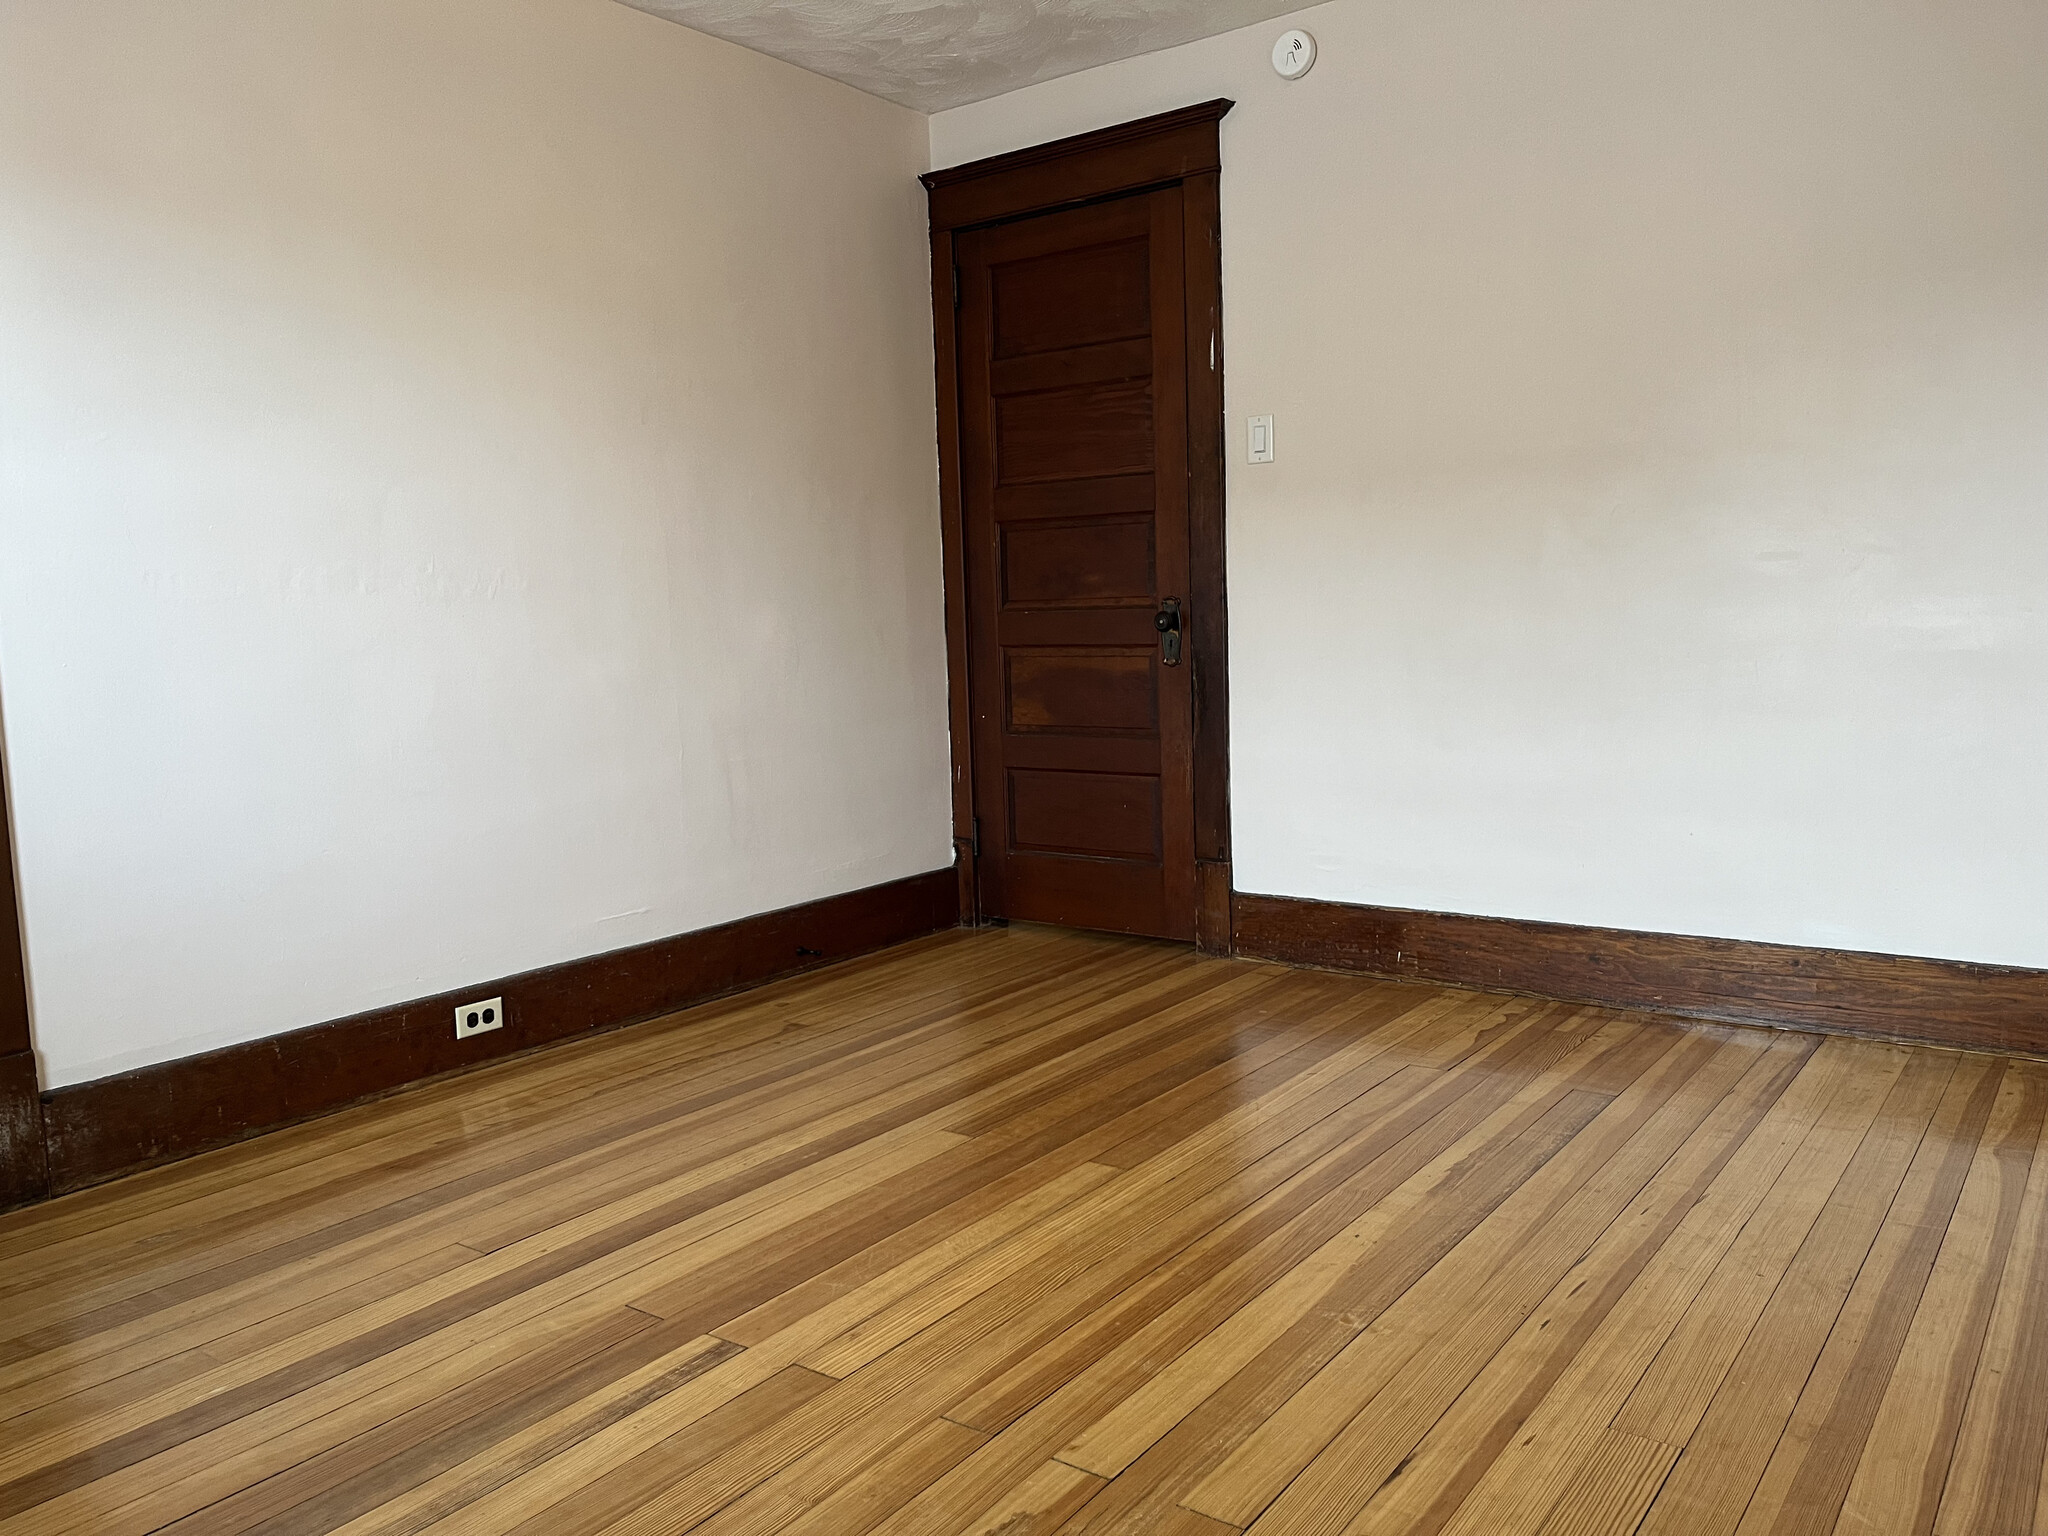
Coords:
1073,419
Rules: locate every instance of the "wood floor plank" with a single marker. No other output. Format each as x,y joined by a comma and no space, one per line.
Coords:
285,1306
145,1495
1109,1445
1436,1121
622,1440
876,1334
1416,1116
1193,1293
1824,1113
629,1486
1112,1443
1675,1391
711,1298
799,1301
1726,1454
496,1152
846,1426
1039,1504
433,1207
1613,1488
1437,1476
915,1462
426,1324
485,1471
1994,1478
172,1197
1028,1231
221,1184
1365,1412
1904,1462
1808,1476
327,1489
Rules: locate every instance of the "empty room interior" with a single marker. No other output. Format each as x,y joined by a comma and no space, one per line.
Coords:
1005,767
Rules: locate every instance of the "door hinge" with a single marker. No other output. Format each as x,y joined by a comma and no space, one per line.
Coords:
956,287
974,836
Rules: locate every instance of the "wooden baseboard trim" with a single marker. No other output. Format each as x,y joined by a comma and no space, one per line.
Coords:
99,1130
1932,1002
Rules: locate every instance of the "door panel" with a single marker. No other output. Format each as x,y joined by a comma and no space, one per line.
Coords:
1078,365
1072,432
1112,815
1071,691
1069,498
1071,298
1074,473
1070,562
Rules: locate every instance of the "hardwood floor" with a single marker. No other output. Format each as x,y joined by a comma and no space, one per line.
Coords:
1024,1231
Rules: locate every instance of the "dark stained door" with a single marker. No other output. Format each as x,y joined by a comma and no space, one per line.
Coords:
1074,476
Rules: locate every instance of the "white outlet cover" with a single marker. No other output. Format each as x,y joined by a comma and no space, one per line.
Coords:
480,1017
1258,439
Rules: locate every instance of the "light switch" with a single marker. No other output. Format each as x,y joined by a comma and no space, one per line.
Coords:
1259,439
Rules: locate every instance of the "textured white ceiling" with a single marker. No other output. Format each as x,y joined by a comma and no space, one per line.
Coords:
933,54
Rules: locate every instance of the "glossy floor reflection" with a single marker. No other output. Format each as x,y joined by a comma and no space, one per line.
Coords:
1027,1231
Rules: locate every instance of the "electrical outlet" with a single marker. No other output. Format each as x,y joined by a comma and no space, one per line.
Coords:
477,1018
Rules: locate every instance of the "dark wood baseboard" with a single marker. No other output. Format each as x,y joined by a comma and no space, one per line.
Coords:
117,1125
1933,1002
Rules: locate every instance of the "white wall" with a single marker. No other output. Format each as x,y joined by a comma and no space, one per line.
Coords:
466,500
1658,535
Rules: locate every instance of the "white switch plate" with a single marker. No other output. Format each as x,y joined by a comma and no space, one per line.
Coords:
1258,439
479,1018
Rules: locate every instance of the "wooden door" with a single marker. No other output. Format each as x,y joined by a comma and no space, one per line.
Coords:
1074,498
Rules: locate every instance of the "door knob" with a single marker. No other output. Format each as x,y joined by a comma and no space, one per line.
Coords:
1167,622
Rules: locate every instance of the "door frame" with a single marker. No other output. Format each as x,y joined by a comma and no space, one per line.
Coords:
1180,148
24,1161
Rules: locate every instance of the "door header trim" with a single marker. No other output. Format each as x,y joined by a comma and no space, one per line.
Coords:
1152,151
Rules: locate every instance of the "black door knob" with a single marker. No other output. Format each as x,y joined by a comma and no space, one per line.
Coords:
1167,622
